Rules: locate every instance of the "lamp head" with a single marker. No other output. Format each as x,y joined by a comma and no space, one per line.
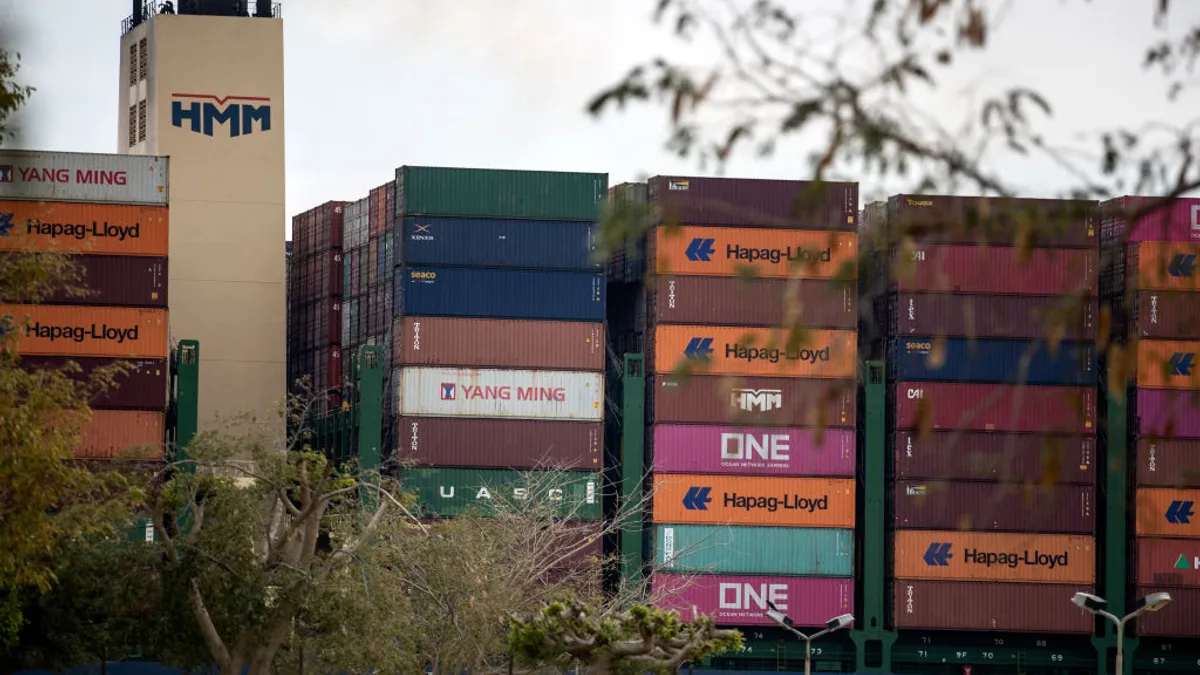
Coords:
1152,603
1089,602
777,616
839,622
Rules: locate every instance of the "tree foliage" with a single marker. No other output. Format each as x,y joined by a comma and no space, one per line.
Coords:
13,94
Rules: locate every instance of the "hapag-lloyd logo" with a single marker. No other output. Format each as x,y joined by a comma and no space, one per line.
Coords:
205,112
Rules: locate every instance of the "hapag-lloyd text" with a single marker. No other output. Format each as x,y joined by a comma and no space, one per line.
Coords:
778,255
788,502
80,333
1015,559
775,355
82,230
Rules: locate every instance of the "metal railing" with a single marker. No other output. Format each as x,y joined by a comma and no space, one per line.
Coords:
153,8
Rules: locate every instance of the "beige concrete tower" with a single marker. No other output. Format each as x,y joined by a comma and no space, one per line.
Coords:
205,88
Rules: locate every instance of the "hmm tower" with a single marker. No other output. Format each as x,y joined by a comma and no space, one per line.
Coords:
201,82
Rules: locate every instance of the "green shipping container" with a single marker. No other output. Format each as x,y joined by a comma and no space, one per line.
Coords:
799,551
453,492
495,193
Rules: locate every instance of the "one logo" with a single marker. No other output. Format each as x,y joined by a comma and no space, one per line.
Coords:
700,250
697,499
1196,218
1182,265
677,185
757,400
1180,512
6,173
1182,363
938,554
5,223
204,112
698,348
448,391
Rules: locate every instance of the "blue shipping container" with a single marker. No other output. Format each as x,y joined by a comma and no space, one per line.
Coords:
993,361
498,293
719,549
488,242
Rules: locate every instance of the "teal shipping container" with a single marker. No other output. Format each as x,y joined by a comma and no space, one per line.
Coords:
785,551
499,193
445,493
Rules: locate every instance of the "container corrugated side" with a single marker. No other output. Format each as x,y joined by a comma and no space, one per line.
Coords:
740,301
1163,462
742,600
123,434
928,358
1066,223
62,330
993,556
500,343
980,606
995,456
499,193
1162,266
1167,512
498,242
994,316
728,350
453,492
1168,364
1168,413
522,394
754,500
83,177
732,251
803,205
113,280
755,401
701,449
994,507
1181,618
995,407
143,386
799,551
1174,221
70,227
502,444
1164,315
499,293
1167,562
997,270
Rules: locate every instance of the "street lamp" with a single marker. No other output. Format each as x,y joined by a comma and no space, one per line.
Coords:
1096,605
836,623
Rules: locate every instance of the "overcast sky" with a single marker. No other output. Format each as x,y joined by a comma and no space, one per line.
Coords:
373,84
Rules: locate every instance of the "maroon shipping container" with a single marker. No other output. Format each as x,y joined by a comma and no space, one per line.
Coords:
753,401
1167,413
995,407
497,343
995,507
997,270
1004,457
735,301
116,281
1181,618
143,388
1168,562
1167,315
499,443
754,202
994,316
1173,462
938,219
318,229
983,606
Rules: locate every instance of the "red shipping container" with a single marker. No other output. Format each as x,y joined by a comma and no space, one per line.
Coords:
742,600
994,316
142,388
500,343
114,280
995,507
753,401
995,407
983,606
997,220
500,443
754,202
373,262
997,270
1165,462
123,434
1168,562
1165,315
335,274
1177,220
967,455
735,301
1181,618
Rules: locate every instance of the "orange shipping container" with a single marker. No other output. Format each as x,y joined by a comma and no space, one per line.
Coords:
103,229
724,350
753,500
994,556
117,332
1167,364
123,434
734,251
1164,266
1168,512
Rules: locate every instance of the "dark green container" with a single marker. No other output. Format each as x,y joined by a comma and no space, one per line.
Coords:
496,193
453,492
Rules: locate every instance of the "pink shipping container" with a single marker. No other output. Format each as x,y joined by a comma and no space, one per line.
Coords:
994,407
742,600
753,450
1168,413
1177,221
999,270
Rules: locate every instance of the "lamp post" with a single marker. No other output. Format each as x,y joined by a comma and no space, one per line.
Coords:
1096,605
836,623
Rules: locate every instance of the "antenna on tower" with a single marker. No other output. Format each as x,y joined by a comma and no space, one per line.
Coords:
137,13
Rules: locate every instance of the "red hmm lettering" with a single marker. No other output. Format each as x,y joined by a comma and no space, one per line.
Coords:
34,174
100,177
558,394
487,393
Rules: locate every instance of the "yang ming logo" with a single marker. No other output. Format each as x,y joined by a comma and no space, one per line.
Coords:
204,112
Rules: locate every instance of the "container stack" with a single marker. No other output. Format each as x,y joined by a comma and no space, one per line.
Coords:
110,213
498,337
751,342
1153,289
994,435
315,304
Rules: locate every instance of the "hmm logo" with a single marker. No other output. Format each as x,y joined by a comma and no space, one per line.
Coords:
204,112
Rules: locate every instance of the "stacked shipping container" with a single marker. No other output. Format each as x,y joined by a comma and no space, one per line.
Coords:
752,294
315,306
109,212
990,348
1151,282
